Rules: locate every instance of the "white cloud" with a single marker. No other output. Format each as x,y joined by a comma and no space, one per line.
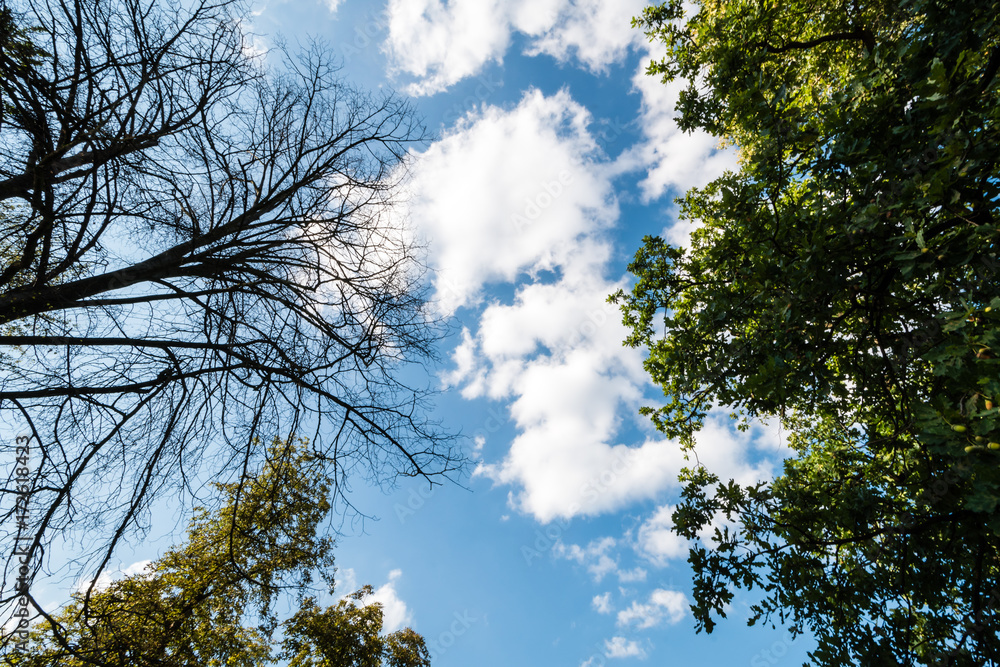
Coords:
570,383
508,191
672,161
440,43
346,581
632,576
137,568
597,32
520,196
727,452
395,614
556,353
747,457
465,370
619,647
602,603
678,160
594,556
665,607
568,407
254,47
523,196
105,579
656,539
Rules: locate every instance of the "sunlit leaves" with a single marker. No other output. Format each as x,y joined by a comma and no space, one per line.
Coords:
212,600
844,281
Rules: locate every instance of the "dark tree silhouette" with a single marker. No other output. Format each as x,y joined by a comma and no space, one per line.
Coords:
197,248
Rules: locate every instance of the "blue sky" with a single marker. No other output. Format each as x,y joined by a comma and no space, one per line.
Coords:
550,155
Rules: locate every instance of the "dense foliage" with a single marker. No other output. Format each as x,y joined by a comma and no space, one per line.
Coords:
843,280
211,601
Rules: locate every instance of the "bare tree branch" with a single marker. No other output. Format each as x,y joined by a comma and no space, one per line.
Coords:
198,252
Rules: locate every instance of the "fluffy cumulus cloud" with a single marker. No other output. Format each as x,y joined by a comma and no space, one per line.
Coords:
744,456
596,32
657,541
602,603
509,191
595,556
568,394
440,42
619,647
523,197
676,160
664,607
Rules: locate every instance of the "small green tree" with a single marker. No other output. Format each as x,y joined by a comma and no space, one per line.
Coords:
211,601
844,281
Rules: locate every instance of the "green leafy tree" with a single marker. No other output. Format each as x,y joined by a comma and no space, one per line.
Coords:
843,280
211,601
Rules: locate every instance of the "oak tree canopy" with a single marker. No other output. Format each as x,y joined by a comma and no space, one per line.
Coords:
844,281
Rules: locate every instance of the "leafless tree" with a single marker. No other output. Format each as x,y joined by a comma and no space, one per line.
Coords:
198,252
